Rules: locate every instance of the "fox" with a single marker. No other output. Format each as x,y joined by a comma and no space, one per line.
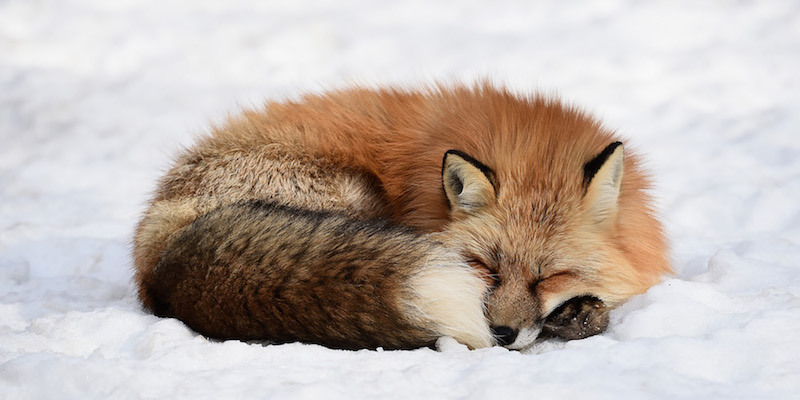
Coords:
390,217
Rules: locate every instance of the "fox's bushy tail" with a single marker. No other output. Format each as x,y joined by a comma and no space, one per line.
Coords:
256,270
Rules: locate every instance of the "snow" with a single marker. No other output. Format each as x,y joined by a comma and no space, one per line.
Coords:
96,96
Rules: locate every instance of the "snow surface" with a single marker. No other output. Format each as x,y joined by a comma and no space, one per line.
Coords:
95,97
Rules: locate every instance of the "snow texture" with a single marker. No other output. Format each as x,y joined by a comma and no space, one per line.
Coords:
96,96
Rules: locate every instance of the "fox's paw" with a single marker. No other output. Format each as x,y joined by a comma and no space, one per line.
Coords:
578,318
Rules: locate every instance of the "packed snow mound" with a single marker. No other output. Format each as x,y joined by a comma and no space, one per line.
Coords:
96,97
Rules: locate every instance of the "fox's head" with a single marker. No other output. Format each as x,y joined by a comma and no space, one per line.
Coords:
548,255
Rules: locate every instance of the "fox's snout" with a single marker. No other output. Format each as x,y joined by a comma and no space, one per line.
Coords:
577,318
505,335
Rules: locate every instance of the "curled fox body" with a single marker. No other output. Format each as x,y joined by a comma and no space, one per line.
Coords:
388,218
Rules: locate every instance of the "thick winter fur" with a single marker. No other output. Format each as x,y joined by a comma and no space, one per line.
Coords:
365,218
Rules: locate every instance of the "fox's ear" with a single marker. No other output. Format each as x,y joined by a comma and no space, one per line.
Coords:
603,176
468,184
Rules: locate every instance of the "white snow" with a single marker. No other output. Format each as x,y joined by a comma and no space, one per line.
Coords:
95,97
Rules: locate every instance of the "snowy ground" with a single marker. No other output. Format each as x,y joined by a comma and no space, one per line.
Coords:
96,95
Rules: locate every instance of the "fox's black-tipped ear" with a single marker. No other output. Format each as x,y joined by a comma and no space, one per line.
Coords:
603,177
468,184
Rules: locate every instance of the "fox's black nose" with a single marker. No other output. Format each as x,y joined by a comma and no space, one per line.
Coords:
505,335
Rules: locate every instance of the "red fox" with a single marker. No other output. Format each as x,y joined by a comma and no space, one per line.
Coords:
367,218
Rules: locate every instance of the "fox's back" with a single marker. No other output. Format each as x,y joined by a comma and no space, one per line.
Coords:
399,136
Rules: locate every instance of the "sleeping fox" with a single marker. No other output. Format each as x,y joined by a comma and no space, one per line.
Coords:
367,218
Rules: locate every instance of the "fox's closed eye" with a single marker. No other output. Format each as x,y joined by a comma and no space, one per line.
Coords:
539,281
557,274
491,277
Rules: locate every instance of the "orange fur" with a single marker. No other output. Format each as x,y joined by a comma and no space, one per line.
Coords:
536,235
537,146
